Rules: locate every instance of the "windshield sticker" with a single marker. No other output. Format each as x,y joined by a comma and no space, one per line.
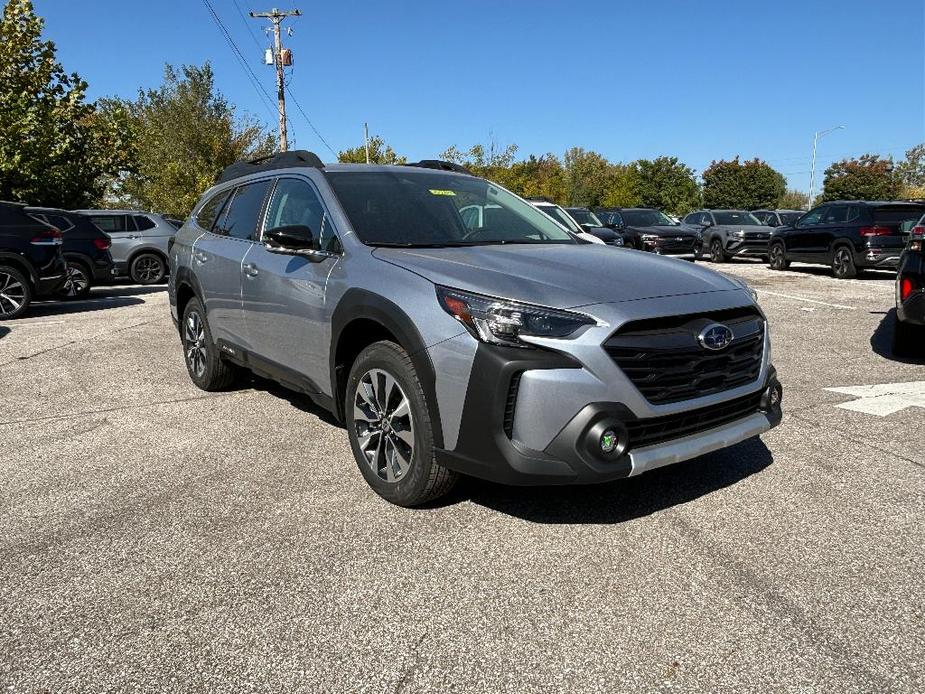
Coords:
442,192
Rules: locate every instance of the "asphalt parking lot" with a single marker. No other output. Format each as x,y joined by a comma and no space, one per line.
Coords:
157,538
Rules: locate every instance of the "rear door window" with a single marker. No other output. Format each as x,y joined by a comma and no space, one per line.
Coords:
143,223
242,214
113,223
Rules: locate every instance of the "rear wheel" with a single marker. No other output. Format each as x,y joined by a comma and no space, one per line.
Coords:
389,427
908,339
843,263
717,253
777,257
147,268
203,362
15,293
78,282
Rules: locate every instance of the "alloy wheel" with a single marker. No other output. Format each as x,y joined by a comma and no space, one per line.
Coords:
12,294
76,283
716,251
384,425
148,269
777,257
842,261
195,338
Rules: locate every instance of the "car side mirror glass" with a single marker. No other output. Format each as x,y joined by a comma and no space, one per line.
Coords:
296,238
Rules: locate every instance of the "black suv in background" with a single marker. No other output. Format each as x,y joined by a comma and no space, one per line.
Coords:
847,235
31,262
909,331
648,229
590,224
85,248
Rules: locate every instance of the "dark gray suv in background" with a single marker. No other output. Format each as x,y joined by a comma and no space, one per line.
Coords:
729,233
494,344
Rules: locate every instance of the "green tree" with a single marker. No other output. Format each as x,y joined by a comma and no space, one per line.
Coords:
667,184
866,178
55,148
184,133
379,153
588,176
749,185
622,186
794,200
538,177
911,173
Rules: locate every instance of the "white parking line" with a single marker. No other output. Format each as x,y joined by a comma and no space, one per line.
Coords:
804,299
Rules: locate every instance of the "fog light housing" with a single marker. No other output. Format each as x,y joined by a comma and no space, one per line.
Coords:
609,441
772,396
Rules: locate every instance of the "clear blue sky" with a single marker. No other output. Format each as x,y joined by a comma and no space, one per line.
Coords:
698,80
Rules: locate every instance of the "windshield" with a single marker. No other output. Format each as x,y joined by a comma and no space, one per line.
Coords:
560,216
646,218
745,219
407,207
583,216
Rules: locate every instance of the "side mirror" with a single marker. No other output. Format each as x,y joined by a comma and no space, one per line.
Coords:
706,224
297,239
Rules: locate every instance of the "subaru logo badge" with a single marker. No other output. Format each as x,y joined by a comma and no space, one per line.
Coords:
715,337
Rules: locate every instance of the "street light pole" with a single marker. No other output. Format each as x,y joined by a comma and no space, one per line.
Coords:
812,175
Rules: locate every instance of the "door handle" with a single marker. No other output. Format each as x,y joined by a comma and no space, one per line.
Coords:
250,270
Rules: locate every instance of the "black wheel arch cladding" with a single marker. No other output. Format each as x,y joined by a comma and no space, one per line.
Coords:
360,305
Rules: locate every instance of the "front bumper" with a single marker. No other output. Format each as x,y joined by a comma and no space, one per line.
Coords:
487,446
672,246
751,248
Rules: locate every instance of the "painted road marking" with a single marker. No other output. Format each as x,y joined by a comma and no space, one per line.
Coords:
809,301
884,399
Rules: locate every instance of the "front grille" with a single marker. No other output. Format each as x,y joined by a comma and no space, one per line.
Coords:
509,405
646,432
664,360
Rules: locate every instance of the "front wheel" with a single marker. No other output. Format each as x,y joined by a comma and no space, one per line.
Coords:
843,263
717,253
78,282
15,293
777,257
147,268
389,427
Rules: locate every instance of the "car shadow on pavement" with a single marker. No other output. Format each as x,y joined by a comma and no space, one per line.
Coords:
99,299
623,500
825,271
294,398
4,331
882,339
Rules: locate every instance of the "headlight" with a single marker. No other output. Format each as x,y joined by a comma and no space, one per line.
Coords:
649,238
503,322
739,234
617,241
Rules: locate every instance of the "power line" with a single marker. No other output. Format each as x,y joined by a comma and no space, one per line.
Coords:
261,92
308,120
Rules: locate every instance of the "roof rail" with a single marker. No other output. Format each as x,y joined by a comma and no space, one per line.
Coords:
540,198
279,160
441,166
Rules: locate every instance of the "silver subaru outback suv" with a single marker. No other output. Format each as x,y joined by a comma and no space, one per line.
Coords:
495,345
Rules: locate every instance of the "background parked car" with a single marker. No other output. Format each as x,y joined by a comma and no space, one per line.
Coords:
85,248
648,229
776,218
31,261
847,235
729,233
139,242
557,213
909,330
590,223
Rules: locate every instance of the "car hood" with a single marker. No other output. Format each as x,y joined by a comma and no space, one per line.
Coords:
557,275
663,230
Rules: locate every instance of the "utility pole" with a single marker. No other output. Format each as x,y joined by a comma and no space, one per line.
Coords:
366,139
276,16
812,175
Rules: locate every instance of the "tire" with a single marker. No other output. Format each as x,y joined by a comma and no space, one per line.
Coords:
79,281
204,364
395,453
15,293
908,339
843,263
717,254
777,257
147,268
